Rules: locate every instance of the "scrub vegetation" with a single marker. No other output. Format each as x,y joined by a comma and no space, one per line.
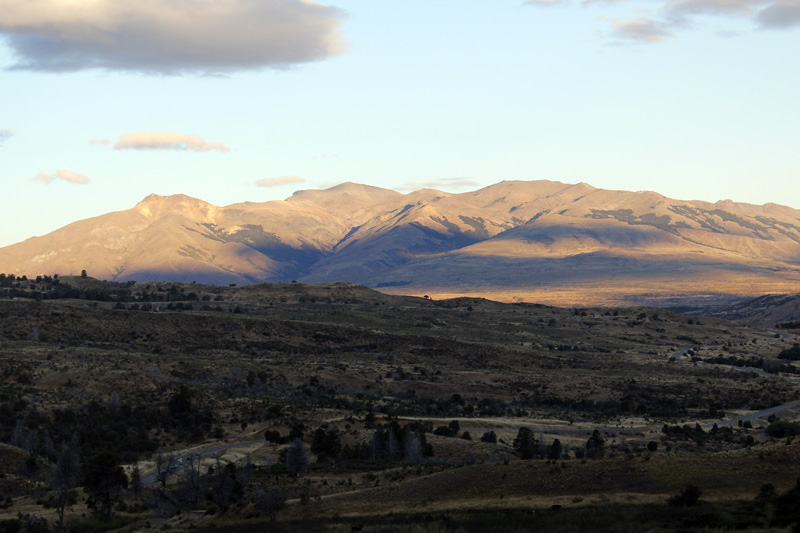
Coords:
333,407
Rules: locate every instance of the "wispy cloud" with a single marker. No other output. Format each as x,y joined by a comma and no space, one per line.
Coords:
716,7
666,20
5,135
162,140
279,181
63,175
545,3
641,29
441,183
174,37
104,142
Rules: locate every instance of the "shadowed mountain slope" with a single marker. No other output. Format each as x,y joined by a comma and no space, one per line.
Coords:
536,241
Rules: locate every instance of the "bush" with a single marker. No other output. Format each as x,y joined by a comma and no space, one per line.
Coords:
688,497
782,428
10,526
489,437
790,354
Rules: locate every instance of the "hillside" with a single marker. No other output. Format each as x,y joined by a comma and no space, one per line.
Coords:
513,241
777,310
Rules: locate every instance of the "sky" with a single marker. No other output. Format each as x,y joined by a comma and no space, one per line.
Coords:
103,102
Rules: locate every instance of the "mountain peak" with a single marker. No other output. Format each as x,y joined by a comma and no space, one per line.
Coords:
345,198
348,186
155,206
172,198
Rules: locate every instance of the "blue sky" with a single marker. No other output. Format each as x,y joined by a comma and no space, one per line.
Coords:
101,105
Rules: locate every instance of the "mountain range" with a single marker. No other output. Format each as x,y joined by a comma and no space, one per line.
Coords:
515,241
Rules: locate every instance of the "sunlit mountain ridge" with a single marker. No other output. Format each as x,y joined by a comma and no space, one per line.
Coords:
534,241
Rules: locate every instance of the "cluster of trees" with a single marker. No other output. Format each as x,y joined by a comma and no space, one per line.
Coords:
700,436
51,288
112,425
392,442
389,442
105,483
779,429
450,430
688,497
645,400
759,362
529,447
780,510
791,354
100,475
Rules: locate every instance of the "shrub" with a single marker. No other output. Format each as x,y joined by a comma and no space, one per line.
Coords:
782,428
688,497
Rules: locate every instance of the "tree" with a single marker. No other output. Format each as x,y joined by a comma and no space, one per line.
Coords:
413,446
297,457
136,481
688,497
766,495
454,426
190,487
223,483
489,437
273,437
782,428
791,354
83,274
326,444
270,500
594,446
164,467
65,479
181,403
525,443
554,450
103,478
787,508
393,450
652,446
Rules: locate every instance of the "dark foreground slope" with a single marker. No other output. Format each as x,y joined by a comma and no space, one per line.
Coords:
417,407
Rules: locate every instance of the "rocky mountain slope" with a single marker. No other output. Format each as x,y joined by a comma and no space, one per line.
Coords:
534,241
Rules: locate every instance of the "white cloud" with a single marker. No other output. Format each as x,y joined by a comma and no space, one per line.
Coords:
442,183
104,142
162,140
64,175
5,135
279,181
169,36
